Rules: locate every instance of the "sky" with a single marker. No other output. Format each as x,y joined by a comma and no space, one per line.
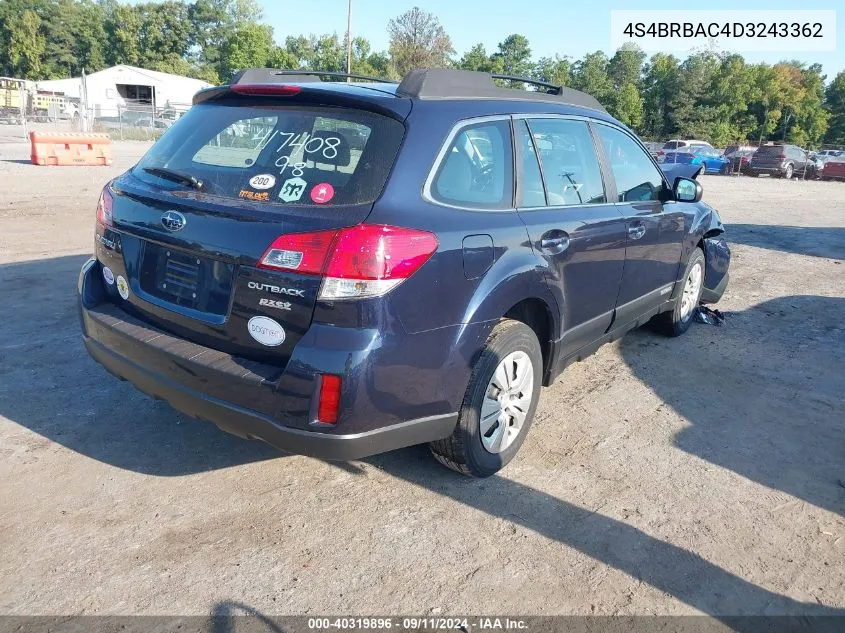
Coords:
564,27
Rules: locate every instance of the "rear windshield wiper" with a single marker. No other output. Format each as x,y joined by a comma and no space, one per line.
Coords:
175,176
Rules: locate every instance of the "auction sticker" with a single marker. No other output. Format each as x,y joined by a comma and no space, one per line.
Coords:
122,287
265,330
108,275
262,181
322,193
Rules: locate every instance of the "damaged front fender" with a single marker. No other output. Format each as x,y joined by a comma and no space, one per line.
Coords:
717,260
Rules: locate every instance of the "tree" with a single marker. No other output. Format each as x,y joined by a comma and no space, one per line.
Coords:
555,70
628,106
477,59
249,46
514,57
25,45
835,105
660,82
123,29
590,75
625,67
418,40
691,111
165,32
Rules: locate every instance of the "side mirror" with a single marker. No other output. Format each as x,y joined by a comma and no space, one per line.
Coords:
687,190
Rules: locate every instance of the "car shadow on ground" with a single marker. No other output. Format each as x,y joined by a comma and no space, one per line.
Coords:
787,432
50,385
818,241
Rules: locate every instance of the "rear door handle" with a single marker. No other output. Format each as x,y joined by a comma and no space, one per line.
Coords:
636,231
554,241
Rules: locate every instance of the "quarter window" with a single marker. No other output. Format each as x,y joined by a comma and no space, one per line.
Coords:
637,179
568,158
477,170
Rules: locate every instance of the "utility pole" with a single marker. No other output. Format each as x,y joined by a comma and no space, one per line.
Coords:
349,40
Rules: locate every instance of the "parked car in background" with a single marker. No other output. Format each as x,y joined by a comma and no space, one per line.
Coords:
709,159
830,152
653,148
674,145
738,158
341,303
833,168
781,161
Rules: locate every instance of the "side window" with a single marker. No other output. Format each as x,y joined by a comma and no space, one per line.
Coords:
477,169
637,179
569,163
529,188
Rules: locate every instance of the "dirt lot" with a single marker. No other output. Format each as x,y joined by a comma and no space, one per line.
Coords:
701,474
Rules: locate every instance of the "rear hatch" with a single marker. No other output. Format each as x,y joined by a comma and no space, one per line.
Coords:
769,157
194,218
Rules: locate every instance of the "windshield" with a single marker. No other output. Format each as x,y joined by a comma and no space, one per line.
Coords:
277,154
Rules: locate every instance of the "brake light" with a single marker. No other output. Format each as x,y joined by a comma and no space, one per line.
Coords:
104,207
267,90
329,403
367,260
661,153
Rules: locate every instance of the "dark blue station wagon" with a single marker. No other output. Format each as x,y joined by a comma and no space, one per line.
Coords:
342,269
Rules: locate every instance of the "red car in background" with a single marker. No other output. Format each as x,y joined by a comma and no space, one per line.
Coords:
834,167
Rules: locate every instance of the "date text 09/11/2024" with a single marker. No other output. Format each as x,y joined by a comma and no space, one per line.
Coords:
418,623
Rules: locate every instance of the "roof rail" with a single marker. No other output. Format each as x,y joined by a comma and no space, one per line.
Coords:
273,75
447,83
553,88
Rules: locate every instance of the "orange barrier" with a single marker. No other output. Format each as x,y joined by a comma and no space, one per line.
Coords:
70,149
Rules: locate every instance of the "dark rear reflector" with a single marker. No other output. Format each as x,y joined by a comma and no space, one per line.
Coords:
268,90
329,403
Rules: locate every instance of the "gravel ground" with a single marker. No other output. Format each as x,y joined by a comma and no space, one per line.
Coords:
700,474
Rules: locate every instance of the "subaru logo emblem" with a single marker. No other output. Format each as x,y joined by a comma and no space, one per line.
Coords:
173,221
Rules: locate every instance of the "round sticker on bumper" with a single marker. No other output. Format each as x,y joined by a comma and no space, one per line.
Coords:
122,287
108,275
266,331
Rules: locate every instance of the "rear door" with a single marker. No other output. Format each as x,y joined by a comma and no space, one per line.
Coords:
655,231
191,253
571,223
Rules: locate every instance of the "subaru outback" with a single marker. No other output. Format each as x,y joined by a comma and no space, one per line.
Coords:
342,269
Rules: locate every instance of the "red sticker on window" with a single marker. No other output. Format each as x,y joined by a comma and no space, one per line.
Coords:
322,193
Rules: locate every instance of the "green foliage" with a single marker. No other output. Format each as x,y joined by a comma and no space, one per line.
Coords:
835,97
25,44
418,40
716,97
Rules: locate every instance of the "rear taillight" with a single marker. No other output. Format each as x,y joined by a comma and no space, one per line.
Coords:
104,207
781,157
367,260
661,153
329,402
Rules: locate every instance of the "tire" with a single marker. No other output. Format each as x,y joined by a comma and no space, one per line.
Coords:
789,171
676,321
465,451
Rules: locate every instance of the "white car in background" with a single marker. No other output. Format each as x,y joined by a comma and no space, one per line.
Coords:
674,144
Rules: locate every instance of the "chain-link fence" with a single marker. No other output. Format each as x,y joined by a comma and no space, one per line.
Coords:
131,120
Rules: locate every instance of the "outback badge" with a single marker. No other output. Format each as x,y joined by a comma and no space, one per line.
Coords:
173,220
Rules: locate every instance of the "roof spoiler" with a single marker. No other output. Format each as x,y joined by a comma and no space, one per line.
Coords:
274,76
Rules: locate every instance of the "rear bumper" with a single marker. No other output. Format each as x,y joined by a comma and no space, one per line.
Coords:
245,398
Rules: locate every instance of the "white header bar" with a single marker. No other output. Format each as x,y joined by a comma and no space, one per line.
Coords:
672,31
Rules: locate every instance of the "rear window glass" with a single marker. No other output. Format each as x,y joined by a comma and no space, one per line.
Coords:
770,150
279,154
673,144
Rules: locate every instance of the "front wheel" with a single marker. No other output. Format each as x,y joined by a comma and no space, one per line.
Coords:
499,403
677,321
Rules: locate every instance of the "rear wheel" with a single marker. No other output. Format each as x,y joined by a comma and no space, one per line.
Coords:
499,403
789,171
677,321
